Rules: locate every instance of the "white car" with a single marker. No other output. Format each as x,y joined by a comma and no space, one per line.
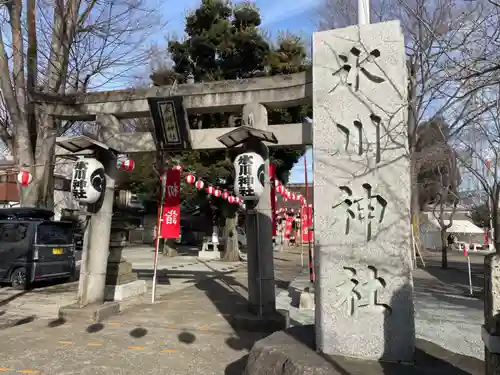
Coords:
242,236
460,246
477,247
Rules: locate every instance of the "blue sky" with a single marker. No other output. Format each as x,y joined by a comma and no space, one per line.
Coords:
296,16
277,15
297,175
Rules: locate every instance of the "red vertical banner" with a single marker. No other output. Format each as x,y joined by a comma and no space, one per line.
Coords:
306,217
171,217
272,176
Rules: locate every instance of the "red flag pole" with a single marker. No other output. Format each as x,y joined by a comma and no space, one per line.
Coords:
491,210
272,176
309,221
163,185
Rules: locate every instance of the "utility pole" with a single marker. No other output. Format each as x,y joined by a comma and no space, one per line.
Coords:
363,12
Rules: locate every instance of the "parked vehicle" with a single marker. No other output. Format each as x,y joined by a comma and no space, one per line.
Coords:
477,247
34,248
460,246
242,237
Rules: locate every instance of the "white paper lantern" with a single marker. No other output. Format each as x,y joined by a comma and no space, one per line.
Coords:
249,175
24,178
127,165
89,181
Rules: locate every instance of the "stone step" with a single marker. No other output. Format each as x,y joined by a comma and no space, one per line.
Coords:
120,268
121,279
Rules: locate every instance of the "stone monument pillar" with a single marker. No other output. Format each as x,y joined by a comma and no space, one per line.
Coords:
121,281
363,291
491,328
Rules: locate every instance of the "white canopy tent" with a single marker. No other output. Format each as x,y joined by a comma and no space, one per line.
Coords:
465,230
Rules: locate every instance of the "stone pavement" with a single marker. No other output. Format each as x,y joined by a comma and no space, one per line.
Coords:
173,274
187,332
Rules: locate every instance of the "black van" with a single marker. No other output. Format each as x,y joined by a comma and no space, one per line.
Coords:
34,248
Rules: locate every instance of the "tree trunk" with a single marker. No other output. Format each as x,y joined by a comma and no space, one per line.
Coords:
231,251
40,192
444,249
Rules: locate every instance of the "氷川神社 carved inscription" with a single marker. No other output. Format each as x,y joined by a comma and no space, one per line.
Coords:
358,146
358,295
353,66
364,209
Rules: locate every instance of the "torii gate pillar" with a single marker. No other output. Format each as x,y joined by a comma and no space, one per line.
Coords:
261,292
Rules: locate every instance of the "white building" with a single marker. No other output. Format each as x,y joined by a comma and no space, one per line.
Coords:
9,193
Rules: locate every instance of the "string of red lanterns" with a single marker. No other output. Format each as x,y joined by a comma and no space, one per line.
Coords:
24,178
288,195
209,188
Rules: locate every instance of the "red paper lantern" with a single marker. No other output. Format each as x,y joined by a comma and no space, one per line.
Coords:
128,165
281,189
230,199
276,183
24,178
293,196
177,168
217,193
225,195
210,190
190,179
199,184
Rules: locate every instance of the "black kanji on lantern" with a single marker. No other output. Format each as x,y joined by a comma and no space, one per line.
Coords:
79,187
245,163
245,177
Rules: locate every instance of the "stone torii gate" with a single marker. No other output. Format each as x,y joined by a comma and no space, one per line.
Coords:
249,97
361,172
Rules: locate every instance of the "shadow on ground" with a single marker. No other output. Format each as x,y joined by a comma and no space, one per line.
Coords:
450,286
